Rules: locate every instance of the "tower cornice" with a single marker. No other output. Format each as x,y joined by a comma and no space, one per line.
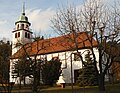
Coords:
22,30
23,22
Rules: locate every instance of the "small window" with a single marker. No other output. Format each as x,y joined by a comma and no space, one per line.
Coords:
15,35
26,26
55,58
25,34
18,34
17,26
76,57
28,35
22,26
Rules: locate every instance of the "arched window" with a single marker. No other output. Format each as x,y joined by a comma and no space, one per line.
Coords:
28,35
15,35
26,26
18,34
22,26
17,26
25,34
76,57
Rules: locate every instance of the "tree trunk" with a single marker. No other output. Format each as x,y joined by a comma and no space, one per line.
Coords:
35,85
24,80
101,78
20,83
35,81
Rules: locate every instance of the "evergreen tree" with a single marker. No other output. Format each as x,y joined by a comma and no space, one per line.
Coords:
51,71
87,75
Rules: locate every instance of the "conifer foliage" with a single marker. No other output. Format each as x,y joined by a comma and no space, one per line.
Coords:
87,75
51,71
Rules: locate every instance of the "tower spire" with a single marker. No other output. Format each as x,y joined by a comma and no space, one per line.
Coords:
23,8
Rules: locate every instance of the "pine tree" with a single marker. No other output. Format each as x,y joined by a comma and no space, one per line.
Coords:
87,75
51,71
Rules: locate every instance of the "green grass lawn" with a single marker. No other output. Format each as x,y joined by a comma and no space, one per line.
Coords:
109,89
114,88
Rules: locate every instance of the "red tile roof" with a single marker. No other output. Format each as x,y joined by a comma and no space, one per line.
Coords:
57,44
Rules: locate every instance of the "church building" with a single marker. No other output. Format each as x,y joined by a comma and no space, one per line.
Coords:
58,47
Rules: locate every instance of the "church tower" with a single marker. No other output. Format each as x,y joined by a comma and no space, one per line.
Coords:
22,33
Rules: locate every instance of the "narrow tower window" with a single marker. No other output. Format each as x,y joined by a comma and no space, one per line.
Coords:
18,34
15,35
22,26
25,34
28,35
17,26
26,26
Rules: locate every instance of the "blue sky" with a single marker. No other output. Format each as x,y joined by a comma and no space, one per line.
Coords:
39,13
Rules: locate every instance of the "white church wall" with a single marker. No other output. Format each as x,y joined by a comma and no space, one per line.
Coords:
16,80
12,64
66,62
